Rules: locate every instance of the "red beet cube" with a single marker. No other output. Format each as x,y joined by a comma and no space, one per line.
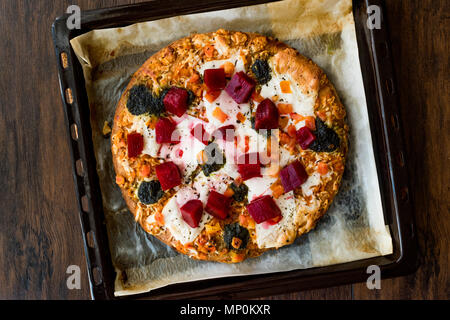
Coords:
176,101
135,143
164,129
266,116
249,166
192,212
240,87
305,137
215,79
168,175
293,176
200,133
218,205
225,133
263,208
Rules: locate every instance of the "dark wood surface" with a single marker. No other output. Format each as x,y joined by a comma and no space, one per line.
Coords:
40,234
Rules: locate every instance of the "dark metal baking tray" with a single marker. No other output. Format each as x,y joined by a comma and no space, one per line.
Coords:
382,103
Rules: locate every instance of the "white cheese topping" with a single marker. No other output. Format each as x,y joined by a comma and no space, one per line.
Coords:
259,186
184,154
179,229
215,64
302,102
283,232
312,181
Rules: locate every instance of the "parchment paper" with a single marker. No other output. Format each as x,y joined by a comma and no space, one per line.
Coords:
353,227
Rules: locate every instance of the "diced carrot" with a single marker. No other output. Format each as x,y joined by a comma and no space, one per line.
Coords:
212,95
274,98
291,131
322,168
287,141
285,108
283,122
243,220
257,97
228,67
145,170
201,157
322,115
236,257
194,78
310,123
120,180
159,218
228,193
277,190
151,124
220,115
246,143
285,86
241,117
236,242
209,51
297,117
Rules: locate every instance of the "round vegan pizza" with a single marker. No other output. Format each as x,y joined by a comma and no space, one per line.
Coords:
228,144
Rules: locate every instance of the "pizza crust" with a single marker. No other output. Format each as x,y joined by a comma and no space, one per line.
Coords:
175,65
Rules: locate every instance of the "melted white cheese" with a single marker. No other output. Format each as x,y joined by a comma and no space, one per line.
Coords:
184,154
179,229
215,64
312,181
259,186
302,102
284,232
217,181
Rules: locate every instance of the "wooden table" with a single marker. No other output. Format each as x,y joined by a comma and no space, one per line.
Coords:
40,234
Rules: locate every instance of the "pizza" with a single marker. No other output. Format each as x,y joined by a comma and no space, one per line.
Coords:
228,144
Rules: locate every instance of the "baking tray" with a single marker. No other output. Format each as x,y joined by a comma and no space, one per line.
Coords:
382,103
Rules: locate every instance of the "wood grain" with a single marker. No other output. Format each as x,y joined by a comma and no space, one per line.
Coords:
40,234
420,47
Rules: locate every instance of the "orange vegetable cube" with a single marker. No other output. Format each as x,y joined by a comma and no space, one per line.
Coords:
228,67
322,168
285,86
212,95
145,170
310,122
241,117
297,117
220,115
284,108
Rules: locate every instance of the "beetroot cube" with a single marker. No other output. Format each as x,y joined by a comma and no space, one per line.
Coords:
192,212
266,116
176,101
263,208
249,166
135,143
164,129
218,205
168,175
293,176
225,133
240,87
215,79
200,133
305,137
